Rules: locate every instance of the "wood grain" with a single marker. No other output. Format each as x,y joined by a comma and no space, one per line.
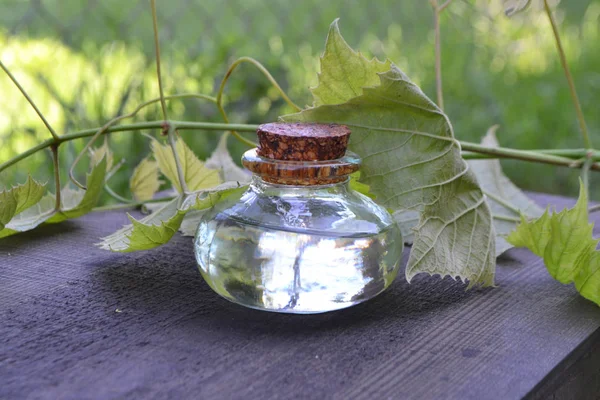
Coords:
77,322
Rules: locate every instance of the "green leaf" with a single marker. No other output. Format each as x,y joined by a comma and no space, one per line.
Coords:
587,281
159,227
351,73
74,203
78,202
31,217
147,233
407,220
15,202
196,174
19,198
144,182
505,199
564,240
221,160
411,161
357,185
96,154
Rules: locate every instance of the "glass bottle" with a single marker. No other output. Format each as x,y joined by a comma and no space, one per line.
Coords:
299,239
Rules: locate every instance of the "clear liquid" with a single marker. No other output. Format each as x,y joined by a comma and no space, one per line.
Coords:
294,271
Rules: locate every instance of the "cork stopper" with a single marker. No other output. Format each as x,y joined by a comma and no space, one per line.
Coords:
302,142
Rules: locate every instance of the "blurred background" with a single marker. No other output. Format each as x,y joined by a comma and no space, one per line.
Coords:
86,61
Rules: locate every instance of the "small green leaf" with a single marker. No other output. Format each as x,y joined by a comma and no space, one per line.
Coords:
31,217
190,222
357,185
15,201
78,202
96,154
564,240
196,174
587,281
144,182
18,199
74,203
147,233
159,227
344,72
411,161
221,160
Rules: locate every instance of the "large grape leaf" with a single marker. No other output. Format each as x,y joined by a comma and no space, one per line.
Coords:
197,176
353,72
564,240
505,199
411,161
159,227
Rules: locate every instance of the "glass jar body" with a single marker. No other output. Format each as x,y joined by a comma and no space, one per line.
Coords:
298,249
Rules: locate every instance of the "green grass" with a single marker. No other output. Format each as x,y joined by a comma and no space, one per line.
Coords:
86,61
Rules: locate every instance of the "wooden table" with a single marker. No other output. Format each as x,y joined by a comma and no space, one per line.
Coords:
77,322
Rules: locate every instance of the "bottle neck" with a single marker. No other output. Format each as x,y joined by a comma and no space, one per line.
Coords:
261,185
301,173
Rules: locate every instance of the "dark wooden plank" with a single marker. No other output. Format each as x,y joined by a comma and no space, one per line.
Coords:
577,377
61,335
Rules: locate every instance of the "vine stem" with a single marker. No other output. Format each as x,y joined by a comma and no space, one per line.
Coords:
169,126
585,169
212,126
132,114
594,208
173,144
31,102
54,148
565,66
506,218
568,153
264,71
109,175
443,6
438,51
269,77
525,155
115,195
113,171
157,47
561,157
